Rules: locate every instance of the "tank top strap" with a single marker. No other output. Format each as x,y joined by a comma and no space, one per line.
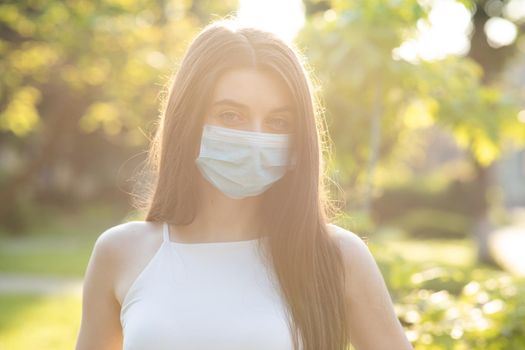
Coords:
165,232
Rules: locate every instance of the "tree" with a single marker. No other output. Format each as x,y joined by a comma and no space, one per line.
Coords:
350,45
79,89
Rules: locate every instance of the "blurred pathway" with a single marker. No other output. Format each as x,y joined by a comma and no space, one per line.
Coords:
507,244
29,284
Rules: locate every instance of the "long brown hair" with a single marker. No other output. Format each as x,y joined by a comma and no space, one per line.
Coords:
295,212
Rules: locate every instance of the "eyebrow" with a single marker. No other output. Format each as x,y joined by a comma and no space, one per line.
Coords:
231,102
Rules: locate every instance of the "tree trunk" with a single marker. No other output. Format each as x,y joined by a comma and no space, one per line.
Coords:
375,140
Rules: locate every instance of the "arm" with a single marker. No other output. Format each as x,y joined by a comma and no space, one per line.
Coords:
373,321
100,325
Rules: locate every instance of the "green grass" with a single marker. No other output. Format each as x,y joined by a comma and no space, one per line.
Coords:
58,244
453,252
55,254
408,264
55,243
39,322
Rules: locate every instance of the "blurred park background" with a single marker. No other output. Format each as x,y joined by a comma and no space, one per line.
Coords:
425,105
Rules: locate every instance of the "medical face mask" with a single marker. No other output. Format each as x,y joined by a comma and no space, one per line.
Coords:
242,163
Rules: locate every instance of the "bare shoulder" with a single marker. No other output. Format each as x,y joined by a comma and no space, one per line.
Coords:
353,248
365,281
369,304
360,265
345,236
114,239
123,247
116,251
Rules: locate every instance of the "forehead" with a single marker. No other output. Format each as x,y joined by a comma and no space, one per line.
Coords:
255,88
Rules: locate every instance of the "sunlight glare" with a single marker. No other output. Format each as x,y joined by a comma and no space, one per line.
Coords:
446,32
284,18
500,32
514,10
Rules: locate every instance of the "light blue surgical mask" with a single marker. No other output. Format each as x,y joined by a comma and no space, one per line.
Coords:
243,163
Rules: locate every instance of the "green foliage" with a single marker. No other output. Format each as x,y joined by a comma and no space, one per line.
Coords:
352,56
80,91
447,306
434,223
429,207
481,118
20,116
486,314
358,222
110,53
352,48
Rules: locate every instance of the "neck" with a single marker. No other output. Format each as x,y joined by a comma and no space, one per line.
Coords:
221,218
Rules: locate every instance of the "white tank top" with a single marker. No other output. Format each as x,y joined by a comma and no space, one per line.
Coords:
205,296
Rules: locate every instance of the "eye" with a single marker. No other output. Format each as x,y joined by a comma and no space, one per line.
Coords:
230,117
281,124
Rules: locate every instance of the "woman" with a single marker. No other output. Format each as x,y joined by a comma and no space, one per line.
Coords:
236,251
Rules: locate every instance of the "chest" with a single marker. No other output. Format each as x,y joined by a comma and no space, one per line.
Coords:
185,302
210,324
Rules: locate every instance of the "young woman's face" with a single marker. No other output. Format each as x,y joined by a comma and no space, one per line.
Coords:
252,100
